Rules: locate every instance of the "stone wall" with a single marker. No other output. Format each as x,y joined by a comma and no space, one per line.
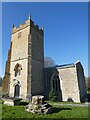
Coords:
19,55
37,86
6,78
47,80
69,84
72,85
81,81
28,51
37,62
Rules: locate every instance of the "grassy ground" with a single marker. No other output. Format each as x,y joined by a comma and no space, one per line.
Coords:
58,112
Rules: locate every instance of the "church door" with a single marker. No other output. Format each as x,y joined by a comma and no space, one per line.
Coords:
16,91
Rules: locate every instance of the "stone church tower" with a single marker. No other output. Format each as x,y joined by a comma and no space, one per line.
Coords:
25,73
26,61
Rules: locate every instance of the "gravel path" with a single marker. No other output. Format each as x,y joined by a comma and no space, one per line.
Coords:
83,105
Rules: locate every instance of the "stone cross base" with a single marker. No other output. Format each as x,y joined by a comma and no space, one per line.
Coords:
37,99
39,106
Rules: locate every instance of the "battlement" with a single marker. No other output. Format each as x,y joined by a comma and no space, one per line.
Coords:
27,23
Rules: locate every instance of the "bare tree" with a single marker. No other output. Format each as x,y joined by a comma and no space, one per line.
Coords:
49,62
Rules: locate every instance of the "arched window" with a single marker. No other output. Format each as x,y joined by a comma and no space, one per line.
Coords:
17,69
55,85
56,82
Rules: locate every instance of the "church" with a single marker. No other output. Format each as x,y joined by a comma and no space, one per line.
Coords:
25,73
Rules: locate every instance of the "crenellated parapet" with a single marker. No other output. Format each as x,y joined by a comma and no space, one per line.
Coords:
36,27
20,27
27,23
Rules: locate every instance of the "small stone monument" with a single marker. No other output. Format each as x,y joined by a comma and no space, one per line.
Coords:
38,105
37,99
10,101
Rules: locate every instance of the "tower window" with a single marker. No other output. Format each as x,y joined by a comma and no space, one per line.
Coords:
17,69
19,35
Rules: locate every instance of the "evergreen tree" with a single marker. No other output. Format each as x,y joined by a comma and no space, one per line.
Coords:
52,95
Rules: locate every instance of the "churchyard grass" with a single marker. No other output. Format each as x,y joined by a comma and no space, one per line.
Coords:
58,112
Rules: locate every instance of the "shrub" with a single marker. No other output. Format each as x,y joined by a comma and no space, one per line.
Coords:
52,95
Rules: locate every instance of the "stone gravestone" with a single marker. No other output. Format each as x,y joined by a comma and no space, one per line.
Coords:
9,102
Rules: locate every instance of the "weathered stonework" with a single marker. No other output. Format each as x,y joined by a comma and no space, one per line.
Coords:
6,79
9,102
69,84
27,51
72,82
19,55
38,106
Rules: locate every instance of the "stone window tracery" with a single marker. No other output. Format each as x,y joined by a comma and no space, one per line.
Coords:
56,83
17,69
